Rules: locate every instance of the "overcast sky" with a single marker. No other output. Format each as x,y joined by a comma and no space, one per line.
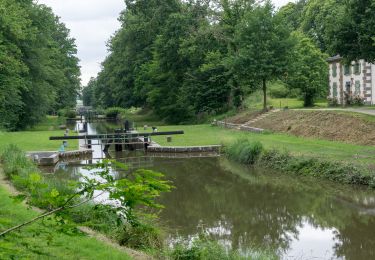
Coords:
92,22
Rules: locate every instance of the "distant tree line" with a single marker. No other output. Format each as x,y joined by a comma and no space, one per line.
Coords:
39,70
185,58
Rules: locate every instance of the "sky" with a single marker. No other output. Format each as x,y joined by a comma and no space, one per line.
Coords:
91,23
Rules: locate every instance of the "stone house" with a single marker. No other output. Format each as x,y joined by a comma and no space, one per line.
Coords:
355,80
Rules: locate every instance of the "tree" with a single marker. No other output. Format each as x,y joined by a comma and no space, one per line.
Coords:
354,35
39,71
263,47
319,19
308,69
88,93
291,13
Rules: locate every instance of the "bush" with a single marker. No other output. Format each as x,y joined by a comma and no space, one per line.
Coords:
202,249
143,236
332,102
278,89
358,101
245,151
114,112
71,114
66,112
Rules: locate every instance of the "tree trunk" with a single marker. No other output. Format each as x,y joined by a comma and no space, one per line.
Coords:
264,95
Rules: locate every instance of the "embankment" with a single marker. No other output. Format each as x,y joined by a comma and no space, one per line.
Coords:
253,153
329,125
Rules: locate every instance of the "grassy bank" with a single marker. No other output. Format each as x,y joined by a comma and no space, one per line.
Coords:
253,153
297,146
35,140
45,240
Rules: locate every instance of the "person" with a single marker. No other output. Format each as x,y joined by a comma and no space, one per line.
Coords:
62,148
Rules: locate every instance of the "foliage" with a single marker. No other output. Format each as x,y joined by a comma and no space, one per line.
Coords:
250,153
278,89
39,71
46,239
333,102
355,100
202,248
114,112
354,36
319,20
128,197
244,151
308,70
331,170
263,44
88,93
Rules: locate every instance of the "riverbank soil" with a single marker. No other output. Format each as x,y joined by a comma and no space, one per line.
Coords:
330,125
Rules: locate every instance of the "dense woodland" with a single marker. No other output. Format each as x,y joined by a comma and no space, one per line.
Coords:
39,70
185,58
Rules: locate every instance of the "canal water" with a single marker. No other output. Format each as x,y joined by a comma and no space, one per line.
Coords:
246,208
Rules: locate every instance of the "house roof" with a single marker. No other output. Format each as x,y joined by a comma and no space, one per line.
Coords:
334,58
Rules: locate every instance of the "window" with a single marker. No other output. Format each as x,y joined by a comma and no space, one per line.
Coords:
347,70
357,68
334,89
357,90
334,70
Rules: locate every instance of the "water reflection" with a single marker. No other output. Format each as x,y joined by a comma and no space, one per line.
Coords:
299,218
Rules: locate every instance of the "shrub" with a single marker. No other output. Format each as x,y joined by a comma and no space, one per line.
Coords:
245,151
332,102
66,112
71,114
114,112
143,236
278,89
203,249
358,101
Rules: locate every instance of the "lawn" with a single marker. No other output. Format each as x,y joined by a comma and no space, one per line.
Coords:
255,101
35,140
209,135
40,241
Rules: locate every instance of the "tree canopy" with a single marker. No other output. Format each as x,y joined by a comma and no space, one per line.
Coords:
39,70
188,59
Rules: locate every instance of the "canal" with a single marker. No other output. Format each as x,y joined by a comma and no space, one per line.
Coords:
256,209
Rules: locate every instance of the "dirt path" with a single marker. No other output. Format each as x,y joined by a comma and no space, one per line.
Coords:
356,110
91,233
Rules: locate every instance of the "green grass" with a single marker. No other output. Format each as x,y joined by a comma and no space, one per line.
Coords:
255,101
209,135
40,241
35,140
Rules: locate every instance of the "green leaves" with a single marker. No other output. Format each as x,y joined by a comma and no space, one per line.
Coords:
138,190
39,72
